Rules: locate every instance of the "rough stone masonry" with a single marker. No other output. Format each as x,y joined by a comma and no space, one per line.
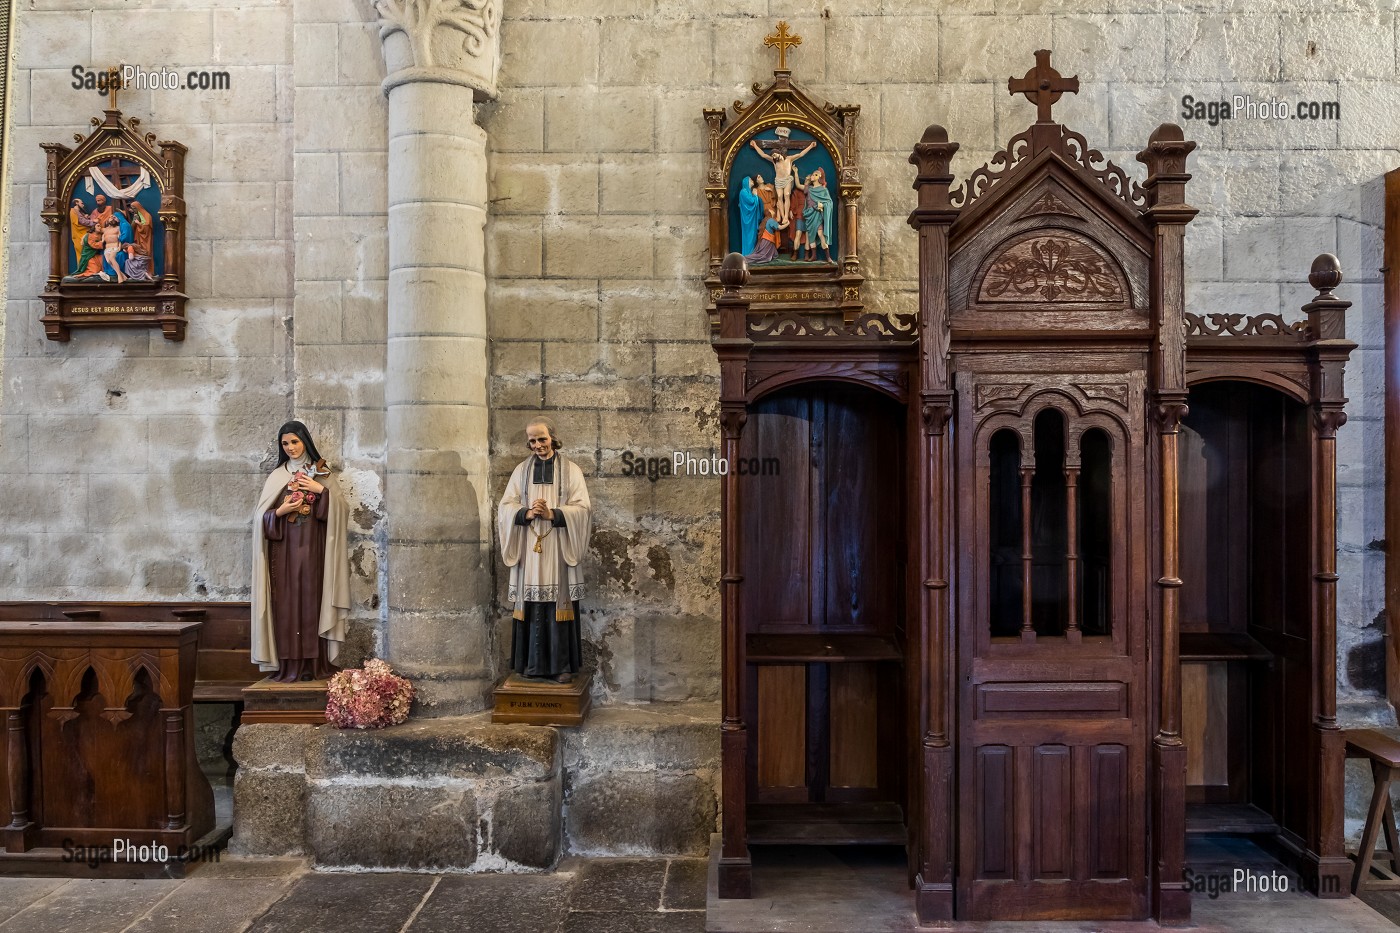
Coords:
412,246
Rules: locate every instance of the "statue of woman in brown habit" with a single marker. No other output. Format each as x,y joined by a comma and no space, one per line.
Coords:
301,572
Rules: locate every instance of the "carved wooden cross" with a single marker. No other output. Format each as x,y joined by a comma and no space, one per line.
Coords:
782,144
782,40
1043,85
116,172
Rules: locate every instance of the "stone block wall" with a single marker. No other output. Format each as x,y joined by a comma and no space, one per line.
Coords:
597,241
129,464
339,205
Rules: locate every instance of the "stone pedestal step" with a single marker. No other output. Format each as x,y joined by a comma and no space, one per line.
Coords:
463,793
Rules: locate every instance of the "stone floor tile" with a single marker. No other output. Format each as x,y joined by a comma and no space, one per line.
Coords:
617,884
499,903
18,893
232,866
334,903
213,905
685,884
634,921
90,905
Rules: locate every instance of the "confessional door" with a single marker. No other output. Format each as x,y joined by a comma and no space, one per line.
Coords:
1053,685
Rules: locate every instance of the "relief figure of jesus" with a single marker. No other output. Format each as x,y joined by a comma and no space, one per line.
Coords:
782,175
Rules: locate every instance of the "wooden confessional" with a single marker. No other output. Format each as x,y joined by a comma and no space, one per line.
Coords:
1047,576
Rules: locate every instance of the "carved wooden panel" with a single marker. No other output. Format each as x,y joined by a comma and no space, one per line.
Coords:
782,726
1052,700
1059,267
1049,203
996,812
1053,810
891,377
1049,249
854,725
1244,325
1109,820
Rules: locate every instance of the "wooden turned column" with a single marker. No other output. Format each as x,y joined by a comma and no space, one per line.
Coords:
174,768
17,775
732,346
716,194
1027,552
1072,552
1167,214
929,661
1328,352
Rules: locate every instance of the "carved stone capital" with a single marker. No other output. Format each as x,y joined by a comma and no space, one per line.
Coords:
443,41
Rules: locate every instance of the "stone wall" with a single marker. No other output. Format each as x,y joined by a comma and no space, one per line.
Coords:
129,464
339,203
597,239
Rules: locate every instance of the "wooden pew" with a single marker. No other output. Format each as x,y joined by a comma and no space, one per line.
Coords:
222,668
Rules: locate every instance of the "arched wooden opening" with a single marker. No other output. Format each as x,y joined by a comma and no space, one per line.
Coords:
825,531
1246,614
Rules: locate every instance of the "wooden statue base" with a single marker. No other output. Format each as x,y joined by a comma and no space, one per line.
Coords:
270,701
543,702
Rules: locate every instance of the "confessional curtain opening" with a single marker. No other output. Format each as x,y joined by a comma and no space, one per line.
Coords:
1051,537
1245,507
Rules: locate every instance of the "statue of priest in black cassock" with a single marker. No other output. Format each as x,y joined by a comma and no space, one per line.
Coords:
544,521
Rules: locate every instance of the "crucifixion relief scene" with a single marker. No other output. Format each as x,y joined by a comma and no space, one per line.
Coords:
642,465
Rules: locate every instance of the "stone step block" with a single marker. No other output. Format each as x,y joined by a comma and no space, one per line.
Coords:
461,793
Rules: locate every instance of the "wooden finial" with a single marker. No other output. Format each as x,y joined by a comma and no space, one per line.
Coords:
1325,275
782,40
1043,86
733,273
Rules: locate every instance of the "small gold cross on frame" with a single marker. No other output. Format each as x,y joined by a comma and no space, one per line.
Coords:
782,40
114,83
1043,85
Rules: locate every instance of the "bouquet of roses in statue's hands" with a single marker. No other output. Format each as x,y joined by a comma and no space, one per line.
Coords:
300,498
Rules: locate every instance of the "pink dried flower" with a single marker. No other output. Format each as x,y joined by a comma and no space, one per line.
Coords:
368,699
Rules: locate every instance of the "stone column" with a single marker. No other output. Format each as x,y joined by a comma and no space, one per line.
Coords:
441,58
